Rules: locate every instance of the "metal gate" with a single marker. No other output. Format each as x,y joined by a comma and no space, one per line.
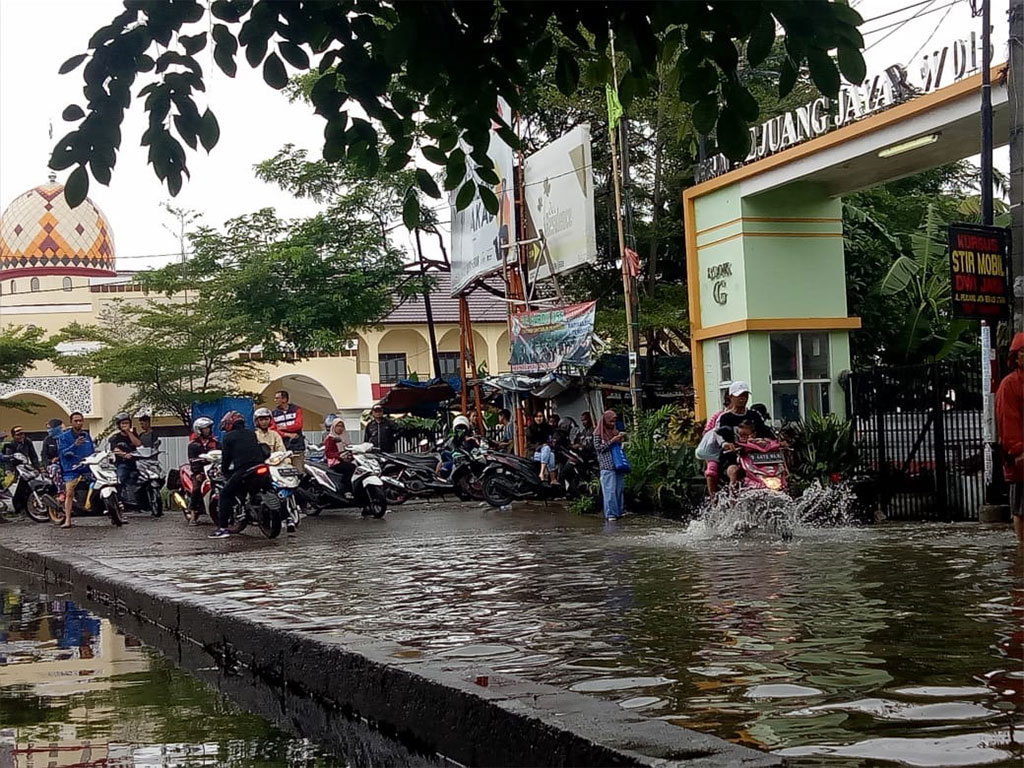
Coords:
919,435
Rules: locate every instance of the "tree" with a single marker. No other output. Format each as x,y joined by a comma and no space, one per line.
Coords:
169,354
445,61
20,348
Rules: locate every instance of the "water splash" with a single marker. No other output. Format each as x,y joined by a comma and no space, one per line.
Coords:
753,513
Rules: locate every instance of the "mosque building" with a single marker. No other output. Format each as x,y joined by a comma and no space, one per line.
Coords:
58,265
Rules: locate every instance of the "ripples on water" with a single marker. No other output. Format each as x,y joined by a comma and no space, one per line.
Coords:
845,646
74,692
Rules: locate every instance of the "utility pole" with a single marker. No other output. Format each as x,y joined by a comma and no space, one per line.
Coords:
1015,87
426,306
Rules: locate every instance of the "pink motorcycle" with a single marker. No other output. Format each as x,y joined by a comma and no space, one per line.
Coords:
763,465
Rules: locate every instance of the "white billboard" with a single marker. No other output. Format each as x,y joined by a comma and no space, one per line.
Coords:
558,184
478,238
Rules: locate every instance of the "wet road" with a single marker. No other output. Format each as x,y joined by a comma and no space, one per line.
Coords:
881,644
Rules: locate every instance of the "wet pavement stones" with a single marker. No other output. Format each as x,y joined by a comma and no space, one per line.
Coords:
457,708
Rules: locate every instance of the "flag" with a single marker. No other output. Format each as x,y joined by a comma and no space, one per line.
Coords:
633,262
614,106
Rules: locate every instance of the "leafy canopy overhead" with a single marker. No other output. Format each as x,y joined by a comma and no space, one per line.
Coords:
20,348
447,61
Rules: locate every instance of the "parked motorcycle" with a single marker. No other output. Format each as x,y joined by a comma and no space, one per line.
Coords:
257,503
285,480
142,494
417,472
324,488
508,477
97,496
467,470
31,492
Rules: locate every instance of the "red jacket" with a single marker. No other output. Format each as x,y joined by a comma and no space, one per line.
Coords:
1010,415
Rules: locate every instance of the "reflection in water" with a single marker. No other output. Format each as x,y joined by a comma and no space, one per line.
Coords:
861,643
74,692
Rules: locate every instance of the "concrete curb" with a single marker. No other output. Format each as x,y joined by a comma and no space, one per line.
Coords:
317,679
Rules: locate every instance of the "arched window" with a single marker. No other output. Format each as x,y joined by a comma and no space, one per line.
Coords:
14,287
67,283
33,284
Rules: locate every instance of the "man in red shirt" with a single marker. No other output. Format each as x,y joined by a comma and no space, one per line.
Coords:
1010,417
288,422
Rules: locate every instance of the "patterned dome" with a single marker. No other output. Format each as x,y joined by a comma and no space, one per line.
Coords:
41,235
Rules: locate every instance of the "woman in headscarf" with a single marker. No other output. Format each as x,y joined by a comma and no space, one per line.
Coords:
607,435
1010,417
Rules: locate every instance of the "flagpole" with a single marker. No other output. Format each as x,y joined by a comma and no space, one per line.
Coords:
627,278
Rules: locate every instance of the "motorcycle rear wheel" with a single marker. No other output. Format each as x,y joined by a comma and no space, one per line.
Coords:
498,491
156,502
37,507
395,496
270,515
377,501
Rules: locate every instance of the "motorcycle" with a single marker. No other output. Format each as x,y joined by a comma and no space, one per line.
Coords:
256,502
763,465
143,493
181,483
102,487
285,480
467,469
417,472
31,492
324,488
508,477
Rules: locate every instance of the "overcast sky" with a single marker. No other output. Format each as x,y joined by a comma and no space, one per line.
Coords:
36,36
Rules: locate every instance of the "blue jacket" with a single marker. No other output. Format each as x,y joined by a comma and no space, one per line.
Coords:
71,454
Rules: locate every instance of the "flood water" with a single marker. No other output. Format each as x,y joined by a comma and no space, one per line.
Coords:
888,644
75,692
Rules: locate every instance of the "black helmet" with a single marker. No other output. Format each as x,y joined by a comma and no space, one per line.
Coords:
122,416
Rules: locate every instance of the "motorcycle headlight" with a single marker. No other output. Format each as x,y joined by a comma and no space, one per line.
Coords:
773,483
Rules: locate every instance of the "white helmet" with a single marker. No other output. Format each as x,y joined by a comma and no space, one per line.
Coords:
462,421
329,420
144,413
202,423
262,413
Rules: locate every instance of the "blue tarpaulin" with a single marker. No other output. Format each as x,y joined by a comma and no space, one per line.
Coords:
216,409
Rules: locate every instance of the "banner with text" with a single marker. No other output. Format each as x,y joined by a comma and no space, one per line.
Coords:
543,341
478,237
558,185
979,263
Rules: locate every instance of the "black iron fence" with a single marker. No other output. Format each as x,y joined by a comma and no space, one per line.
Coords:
919,434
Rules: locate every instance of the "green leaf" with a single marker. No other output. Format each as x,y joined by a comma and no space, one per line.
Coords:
193,44
541,52
77,187
488,198
567,72
697,83
723,51
740,99
824,73
465,196
487,175
411,211
71,63
404,105
426,182
762,38
72,112
274,73
733,134
294,55
209,130
705,113
851,64
434,155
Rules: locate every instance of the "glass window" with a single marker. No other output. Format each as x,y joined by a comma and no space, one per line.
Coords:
392,367
33,284
801,374
449,364
14,287
67,283
724,362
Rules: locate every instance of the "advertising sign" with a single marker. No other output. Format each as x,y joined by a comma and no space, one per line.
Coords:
979,264
545,340
558,184
477,236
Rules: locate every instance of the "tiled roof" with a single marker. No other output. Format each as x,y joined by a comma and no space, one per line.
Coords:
484,307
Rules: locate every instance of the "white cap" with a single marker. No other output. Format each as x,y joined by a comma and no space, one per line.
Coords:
739,388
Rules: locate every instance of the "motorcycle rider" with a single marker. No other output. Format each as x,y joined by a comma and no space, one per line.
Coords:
538,436
241,451
462,439
75,445
123,443
336,447
51,452
146,433
202,442
288,422
269,438
21,444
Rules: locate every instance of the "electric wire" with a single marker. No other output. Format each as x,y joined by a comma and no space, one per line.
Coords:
929,38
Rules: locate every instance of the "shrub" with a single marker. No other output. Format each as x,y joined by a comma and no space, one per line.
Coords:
660,451
821,448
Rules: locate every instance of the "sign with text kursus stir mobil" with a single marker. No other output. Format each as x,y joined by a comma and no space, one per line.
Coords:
979,263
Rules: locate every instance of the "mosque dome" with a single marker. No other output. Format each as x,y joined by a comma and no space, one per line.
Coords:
41,235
